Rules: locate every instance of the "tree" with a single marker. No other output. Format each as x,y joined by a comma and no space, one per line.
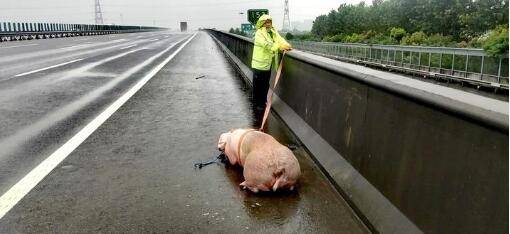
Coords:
417,38
289,36
437,20
496,43
397,33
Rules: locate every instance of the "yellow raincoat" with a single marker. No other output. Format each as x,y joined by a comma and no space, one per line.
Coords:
266,47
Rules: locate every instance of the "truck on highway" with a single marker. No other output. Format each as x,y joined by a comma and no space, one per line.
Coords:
184,26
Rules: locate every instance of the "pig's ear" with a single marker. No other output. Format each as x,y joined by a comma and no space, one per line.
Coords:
222,142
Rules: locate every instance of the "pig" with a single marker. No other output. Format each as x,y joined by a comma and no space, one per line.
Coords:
267,164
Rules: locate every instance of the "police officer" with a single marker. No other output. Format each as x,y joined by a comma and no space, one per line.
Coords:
267,44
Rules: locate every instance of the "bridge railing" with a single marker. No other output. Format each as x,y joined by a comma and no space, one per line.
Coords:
20,31
407,155
465,64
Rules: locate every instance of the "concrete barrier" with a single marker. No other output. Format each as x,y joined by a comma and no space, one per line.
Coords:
408,156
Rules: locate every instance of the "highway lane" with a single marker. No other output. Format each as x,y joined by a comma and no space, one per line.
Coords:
30,55
42,105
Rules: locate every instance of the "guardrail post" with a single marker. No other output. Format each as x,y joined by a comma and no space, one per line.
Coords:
440,62
388,57
402,58
453,63
481,69
419,59
499,70
370,53
411,60
466,66
395,57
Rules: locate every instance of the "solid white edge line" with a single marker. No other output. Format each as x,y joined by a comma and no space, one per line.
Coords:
46,68
10,198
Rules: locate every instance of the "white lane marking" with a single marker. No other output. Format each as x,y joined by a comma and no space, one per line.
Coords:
154,39
89,52
128,46
46,68
119,40
80,71
74,46
9,199
84,39
18,46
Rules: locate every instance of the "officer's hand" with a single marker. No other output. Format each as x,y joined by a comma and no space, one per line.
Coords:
285,48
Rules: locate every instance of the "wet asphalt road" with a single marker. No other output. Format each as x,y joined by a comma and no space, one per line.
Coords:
41,110
135,173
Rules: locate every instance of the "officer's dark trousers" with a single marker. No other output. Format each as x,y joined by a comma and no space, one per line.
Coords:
260,87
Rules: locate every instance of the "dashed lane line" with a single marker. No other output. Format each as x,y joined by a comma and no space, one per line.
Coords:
46,68
10,198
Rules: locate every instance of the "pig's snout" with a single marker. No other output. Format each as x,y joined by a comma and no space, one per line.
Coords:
222,142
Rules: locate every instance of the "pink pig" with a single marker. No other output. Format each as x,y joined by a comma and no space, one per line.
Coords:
267,163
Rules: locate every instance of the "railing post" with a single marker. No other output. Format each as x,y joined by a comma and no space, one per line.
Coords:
481,69
419,60
453,64
402,58
411,60
440,62
388,57
499,71
466,66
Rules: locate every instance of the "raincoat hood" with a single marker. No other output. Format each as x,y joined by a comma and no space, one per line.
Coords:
261,20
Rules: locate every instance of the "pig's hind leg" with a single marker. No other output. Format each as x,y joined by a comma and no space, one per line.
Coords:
245,185
257,173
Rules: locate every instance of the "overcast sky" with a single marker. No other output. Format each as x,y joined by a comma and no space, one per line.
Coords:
221,14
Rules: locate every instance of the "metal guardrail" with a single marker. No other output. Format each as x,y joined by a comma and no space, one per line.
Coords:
26,31
471,65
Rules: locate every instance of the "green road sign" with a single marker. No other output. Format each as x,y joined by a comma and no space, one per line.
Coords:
254,14
247,27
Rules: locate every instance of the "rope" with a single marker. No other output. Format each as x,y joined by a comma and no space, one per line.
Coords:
220,157
270,94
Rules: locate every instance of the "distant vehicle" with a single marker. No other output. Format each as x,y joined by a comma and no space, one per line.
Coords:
184,26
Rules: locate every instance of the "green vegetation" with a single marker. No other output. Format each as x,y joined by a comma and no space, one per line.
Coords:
453,23
497,41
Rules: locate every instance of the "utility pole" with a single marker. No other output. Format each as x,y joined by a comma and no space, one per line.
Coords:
286,18
99,13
